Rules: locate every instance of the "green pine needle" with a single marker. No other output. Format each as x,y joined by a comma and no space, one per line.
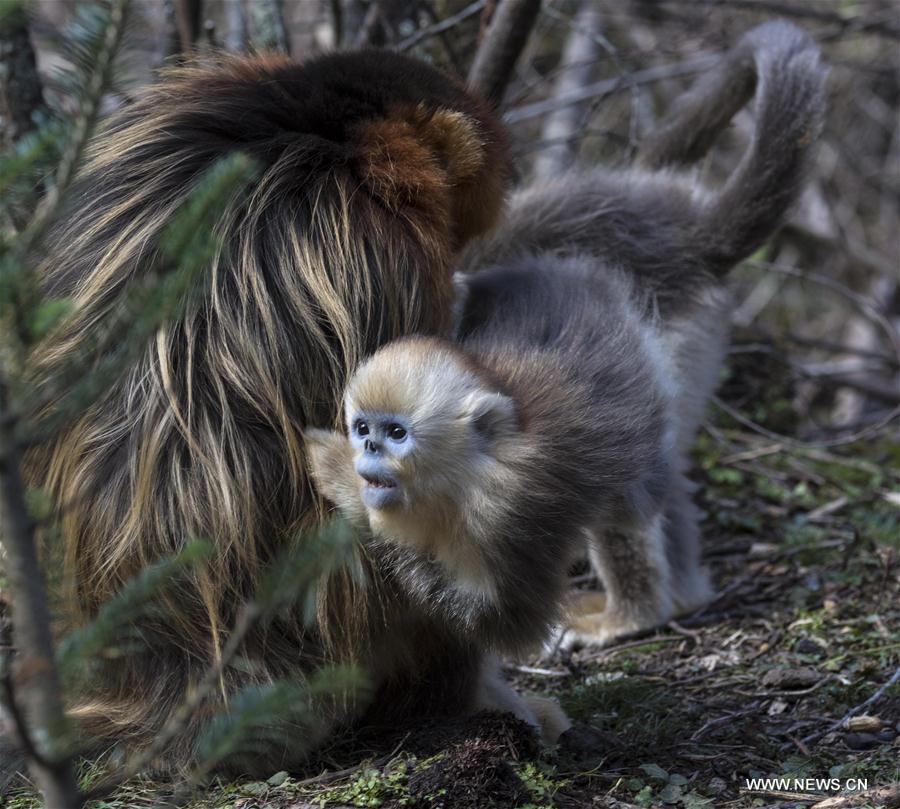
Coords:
118,618
282,712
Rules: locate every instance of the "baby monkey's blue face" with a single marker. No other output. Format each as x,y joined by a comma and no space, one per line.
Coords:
380,441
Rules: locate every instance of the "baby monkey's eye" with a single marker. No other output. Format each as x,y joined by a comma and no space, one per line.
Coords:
396,432
361,428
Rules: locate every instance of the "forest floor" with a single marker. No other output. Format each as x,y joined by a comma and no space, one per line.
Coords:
804,547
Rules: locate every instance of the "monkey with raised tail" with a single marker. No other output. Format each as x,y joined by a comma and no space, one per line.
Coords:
676,242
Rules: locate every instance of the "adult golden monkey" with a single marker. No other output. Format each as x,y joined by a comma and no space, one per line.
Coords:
374,169
675,241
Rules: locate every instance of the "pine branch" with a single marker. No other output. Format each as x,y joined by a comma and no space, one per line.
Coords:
116,620
293,576
88,112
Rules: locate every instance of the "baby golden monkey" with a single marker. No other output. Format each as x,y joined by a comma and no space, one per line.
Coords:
480,466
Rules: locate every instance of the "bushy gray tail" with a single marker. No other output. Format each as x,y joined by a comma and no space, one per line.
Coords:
779,65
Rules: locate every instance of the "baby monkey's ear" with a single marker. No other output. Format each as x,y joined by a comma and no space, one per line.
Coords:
493,415
330,460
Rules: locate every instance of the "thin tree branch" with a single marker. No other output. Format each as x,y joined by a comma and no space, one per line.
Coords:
337,22
609,87
444,25
498,53
36,677
578,62
371,32
187,19
20,724
858,709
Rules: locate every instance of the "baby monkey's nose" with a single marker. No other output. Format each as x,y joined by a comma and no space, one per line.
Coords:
371,446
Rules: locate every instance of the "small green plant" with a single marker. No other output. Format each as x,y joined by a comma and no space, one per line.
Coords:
371,788
542,782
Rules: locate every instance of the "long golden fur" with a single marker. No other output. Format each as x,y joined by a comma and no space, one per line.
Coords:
375,168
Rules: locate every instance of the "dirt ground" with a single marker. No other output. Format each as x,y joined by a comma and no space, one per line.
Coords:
805,632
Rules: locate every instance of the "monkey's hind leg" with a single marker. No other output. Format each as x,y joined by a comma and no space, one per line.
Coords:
650,574
633,565
691,588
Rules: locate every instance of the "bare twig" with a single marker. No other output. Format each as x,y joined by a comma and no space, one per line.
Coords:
187,19
498,53
587,24
712,724
887,797
337,775
609,87
440,27
578,58
337,22
841,348
869,308
633,644
83,125
537,672
807,11
861,708
688,633
446,41
792,443
371,32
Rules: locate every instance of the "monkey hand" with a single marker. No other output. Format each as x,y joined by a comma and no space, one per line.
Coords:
330,460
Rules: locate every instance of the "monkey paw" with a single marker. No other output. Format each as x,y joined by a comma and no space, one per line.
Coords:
591,623
551,718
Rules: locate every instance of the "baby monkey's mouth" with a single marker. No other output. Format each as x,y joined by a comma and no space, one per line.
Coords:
378,482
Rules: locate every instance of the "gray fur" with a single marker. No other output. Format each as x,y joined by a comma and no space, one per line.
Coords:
588,447
563,344
675,239
675,243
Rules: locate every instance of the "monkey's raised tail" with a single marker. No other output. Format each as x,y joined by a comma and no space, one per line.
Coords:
779,64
